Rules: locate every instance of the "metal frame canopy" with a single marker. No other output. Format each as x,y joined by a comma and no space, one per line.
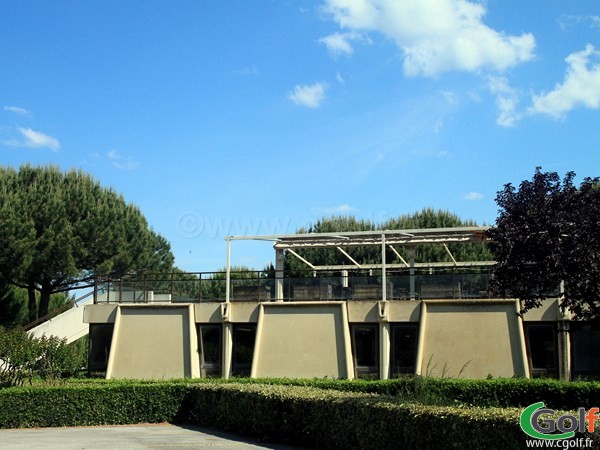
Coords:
365,238
383,238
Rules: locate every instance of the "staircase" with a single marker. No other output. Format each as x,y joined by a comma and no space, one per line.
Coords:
68,324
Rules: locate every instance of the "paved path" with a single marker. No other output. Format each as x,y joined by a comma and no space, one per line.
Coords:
154,436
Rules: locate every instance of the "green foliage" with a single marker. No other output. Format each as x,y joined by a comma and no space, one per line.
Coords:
60,229
304,416
547,233
13,305
18,357
57,359
22,357
318,413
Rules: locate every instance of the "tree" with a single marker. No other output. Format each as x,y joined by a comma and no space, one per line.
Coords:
58,230
547,234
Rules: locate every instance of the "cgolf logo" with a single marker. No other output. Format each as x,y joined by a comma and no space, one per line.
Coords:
539,422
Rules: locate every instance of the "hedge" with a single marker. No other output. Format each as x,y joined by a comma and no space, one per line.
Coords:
296,415
501,392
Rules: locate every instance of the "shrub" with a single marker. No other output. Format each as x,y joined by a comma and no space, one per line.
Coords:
23,356
18,356
297,415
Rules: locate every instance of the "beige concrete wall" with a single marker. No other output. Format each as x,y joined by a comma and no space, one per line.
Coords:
100,313
471,339
154,342
397,311
404,311
303,340
208,313
363,311
549,311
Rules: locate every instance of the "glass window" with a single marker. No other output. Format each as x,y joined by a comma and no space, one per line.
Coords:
209,348
365,350
244,336
100,338
541,349
585,343
404,348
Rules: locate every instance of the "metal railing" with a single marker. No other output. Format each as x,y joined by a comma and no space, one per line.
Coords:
311,286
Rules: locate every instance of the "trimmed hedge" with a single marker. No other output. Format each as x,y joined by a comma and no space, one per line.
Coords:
320,418
297,415
109,403
501,392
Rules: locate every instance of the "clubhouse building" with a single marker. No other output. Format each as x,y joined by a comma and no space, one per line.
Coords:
355,320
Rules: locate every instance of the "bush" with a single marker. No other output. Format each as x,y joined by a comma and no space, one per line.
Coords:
501,392
57,359
23,356
18,357
297,415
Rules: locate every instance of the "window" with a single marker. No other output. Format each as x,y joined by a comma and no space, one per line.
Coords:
365,350
542,349
100,338
404,348
244,336
209,348
585,342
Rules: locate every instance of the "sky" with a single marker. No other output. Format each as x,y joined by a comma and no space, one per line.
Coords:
255,117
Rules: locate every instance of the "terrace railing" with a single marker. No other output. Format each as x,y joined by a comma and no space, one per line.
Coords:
260,286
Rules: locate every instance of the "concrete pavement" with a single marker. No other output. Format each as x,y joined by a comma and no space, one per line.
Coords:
143,436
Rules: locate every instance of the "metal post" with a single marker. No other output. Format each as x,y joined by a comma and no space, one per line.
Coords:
279,260
228,270
95,289
411,255
383,269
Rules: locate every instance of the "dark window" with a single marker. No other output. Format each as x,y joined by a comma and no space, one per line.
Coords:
404,348
585,343
100,338
243,349
541,349
365,349
209,348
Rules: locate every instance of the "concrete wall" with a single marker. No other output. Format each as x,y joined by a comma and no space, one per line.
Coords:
307,340
154,342
471,340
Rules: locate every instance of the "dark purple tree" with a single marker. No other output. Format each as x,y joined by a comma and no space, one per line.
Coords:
547,234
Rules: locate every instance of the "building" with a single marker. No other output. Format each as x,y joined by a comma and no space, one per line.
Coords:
355,320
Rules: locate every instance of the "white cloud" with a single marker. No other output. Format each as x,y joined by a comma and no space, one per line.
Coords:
248,70
474,196
308,95
567,21
339,78
507,100
450,97
435,35
17,110
340,43
580,88
121,163
34,139
340,209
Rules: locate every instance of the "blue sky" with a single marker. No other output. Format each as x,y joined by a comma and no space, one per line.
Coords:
258,117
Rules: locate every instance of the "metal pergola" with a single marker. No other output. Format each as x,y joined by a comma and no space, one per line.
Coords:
383,238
